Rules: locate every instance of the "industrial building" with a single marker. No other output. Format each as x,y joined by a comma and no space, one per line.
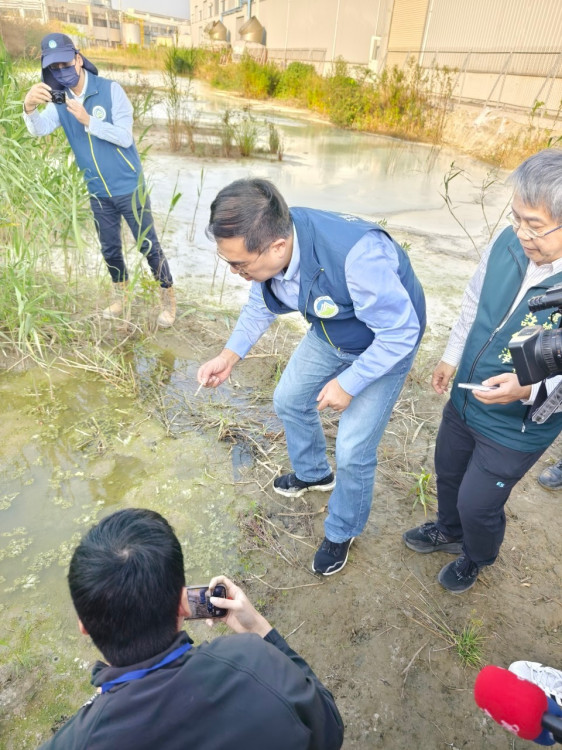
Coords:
97,23
502,52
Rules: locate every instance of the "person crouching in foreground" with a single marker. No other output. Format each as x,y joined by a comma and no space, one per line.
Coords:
156,690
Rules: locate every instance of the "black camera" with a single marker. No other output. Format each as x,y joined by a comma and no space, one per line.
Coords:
535,351
58,97
200,606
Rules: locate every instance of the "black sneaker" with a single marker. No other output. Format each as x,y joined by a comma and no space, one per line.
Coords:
459,575
331,557
428,538
290,486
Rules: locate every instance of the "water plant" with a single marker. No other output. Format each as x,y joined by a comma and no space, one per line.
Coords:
199,191
226,132
246,133
143,98
174,102
276,145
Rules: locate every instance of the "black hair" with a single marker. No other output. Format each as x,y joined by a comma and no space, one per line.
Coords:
126,578
253,209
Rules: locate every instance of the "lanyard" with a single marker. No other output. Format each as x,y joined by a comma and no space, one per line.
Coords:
138,674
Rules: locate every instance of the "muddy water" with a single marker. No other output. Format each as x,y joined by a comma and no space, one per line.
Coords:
377,177
74,449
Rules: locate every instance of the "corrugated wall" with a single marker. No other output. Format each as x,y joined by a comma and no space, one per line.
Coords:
495,25
506,52
406,30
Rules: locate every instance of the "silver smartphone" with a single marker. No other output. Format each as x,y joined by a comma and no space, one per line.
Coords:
478,387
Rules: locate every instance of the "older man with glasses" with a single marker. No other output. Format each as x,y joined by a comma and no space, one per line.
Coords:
356,287
487,441
97,118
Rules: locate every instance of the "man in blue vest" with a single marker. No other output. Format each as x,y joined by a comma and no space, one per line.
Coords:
248,690
97,118
486,441
355,286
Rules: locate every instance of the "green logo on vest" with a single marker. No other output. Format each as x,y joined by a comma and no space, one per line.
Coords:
325,307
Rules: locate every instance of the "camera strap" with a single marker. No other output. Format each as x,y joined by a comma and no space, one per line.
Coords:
547,407
138,674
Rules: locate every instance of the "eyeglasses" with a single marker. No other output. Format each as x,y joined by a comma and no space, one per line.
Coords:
62,66
527,232
240,265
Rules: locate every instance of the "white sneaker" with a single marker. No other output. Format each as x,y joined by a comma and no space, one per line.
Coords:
548,679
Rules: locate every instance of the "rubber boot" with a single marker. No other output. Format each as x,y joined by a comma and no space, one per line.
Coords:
168,307
115,309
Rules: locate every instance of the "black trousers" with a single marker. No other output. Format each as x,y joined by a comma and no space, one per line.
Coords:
107,215
475,476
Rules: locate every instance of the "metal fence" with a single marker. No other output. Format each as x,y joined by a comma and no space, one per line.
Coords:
512,80
283,57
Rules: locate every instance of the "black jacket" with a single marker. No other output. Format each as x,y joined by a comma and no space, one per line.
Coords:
239,692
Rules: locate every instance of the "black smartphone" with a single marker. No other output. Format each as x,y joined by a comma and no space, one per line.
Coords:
199,602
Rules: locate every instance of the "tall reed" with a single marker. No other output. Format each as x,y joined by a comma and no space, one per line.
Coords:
44,227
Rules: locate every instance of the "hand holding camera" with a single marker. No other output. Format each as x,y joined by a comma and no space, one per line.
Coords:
38,94
199,600
58,97
241,616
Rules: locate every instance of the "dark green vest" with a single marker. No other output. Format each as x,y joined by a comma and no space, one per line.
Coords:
486,354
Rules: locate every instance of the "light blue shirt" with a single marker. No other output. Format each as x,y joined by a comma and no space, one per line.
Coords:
379,300
119,132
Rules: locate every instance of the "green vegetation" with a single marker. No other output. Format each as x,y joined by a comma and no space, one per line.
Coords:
410,103
423,491
183,60
469,642
47,245
44,205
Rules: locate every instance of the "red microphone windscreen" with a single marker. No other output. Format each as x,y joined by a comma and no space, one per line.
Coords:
516,704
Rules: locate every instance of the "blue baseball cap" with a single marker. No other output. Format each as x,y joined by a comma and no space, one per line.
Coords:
56,48
59,48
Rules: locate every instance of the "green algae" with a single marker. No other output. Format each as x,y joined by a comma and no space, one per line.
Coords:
73,451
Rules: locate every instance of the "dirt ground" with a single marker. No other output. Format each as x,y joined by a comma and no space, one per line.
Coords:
383,634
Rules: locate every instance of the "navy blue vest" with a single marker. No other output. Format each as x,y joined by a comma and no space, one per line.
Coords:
325,239
109,170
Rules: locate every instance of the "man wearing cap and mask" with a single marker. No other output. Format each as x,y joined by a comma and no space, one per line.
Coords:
97,118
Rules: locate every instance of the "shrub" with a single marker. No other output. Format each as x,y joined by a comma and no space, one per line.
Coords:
295,81
258,81
183,60
346,97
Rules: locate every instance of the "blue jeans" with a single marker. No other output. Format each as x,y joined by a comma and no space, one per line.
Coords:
361,427
107,215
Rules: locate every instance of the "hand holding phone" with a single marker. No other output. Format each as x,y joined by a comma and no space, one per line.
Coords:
200,606
478,386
